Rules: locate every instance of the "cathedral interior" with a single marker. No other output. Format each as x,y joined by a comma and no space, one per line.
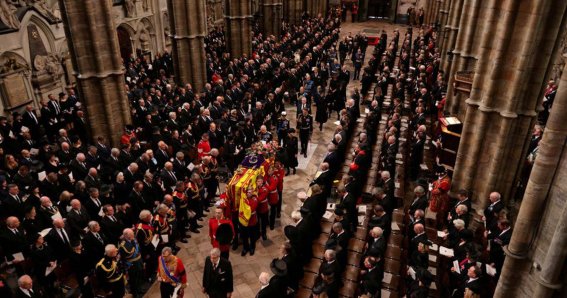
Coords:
441,117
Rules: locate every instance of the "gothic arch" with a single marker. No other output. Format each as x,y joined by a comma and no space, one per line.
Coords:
146,36
126,40
44,29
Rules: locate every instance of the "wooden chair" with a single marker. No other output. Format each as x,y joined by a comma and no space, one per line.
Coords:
393,252
308,280
353,259
351,273
313,266
349,289
392,266
356,245
318,251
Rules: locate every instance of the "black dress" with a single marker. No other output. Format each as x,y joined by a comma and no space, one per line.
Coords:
322,114
292,149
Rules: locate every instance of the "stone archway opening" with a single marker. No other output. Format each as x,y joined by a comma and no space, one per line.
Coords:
125,42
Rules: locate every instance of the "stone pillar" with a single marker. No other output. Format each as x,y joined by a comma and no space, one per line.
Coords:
445,15
272,17
93,44
238,27
454,20
462,54
435,14
295,10
505,95
543,204
322,8
188,30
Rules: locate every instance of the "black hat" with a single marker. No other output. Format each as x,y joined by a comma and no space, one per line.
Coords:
441,170
278,267
466,235
291,130
224,234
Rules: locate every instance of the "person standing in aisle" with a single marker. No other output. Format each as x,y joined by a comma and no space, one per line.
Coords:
305,125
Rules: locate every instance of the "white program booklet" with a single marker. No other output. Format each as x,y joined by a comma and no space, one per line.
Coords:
448,252
456,266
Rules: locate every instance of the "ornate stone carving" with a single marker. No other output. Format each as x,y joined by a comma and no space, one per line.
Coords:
146,5
166,29
144,37
13,63
130,7
8,14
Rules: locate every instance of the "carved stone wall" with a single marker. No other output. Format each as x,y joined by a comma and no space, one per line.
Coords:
146,22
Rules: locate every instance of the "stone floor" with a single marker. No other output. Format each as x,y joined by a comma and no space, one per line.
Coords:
247,269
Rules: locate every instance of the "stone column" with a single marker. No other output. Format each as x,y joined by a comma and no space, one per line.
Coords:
272,17
462,53
238,27
93,44
188,29
295,11
445,16
506,94
541,207
454,20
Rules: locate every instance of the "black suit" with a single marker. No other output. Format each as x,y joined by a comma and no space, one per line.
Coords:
349,202
94,248
376,247
92,208
77,222
79,170
418,203
217,282
491,213
61,248
14,207
14,242
169,179
21,294
333,160
112,228
372,282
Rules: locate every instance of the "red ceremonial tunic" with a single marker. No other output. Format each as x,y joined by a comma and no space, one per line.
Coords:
263,199
281,174
439,197
213,226
253,203
273,196
203,149
176,270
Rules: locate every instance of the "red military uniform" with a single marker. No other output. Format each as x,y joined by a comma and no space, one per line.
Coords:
273,182
172,273
163,228
280,172
263,193
203,148
253,203
213,225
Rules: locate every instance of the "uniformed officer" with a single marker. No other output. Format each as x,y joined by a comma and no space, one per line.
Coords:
282,128
263,207
162,227
181,207
144,236
131,257
194,196
305,125
249,233
214,224
110,273
171,273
